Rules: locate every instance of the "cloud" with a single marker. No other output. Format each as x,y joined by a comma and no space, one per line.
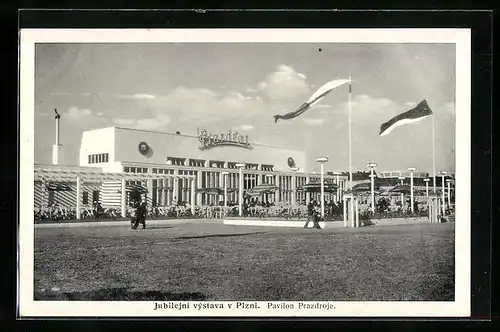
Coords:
100,113
314,121
322,106
150,123
138,96
125,122
76,114
246,127
284,84
188,104
282,89
251,90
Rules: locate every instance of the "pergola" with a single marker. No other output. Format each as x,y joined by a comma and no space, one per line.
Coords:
78,176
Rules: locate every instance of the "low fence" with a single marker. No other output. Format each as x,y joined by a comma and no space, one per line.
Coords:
64,213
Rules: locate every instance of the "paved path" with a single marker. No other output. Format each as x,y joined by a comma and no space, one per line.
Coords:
155,222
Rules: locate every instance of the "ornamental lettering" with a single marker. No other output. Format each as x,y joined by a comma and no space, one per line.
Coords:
208,141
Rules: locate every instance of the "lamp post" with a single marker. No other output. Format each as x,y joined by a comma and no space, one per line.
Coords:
225,174
402,195
240,187
372,176
411,169
322,160
427,186
448,181
443,173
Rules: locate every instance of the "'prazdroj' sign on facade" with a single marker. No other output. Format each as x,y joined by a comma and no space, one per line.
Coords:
209,140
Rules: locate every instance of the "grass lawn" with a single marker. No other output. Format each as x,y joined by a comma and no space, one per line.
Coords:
196,261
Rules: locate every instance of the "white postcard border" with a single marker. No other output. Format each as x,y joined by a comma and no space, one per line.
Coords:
458,308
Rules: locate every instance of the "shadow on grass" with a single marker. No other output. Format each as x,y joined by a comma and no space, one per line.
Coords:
159,227
367,223
215,235
118,294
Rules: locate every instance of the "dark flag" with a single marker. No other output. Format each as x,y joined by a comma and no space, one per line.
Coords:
292,115
421,111
315,98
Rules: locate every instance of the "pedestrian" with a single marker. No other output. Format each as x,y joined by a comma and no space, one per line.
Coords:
140,215
312,215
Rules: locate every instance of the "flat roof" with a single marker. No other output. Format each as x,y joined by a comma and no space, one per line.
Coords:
187,136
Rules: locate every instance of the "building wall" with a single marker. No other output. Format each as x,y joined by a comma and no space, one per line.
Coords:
96,142
122,145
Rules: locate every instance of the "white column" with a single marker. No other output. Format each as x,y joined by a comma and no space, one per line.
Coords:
124,198
175,191
294,190
277,196
402,196
159,191
259,182
337,194
322,192
198,186
225,176
351,211
373,190
78,199
411,189
168,195
442,189
430,206
344,204
193,186
56,148
449,193
149,194
308,194
240,191
357,212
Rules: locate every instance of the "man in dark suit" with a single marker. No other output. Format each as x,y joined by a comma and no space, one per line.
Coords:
140,215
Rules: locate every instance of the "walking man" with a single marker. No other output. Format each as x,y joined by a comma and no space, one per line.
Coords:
312,215
140,215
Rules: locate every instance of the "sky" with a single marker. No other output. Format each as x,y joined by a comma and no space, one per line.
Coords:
173,87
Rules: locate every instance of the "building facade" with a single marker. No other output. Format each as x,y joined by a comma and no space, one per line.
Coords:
210,157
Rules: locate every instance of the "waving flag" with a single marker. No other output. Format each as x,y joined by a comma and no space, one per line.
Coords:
315,98
421,111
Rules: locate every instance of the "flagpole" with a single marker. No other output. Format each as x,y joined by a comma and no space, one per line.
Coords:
350,136
434,154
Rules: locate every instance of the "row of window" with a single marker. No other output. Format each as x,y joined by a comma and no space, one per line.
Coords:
135,169
213,164
267,168
98,158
